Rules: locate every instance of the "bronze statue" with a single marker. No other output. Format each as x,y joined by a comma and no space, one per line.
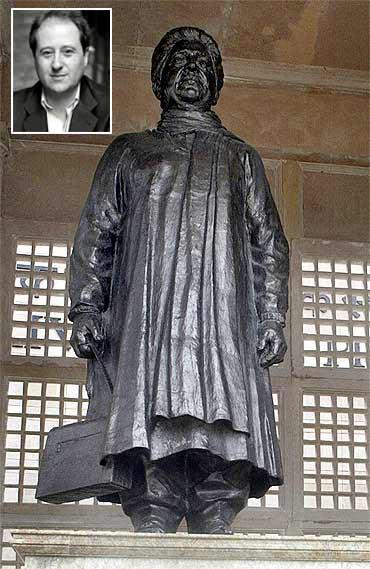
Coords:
179,277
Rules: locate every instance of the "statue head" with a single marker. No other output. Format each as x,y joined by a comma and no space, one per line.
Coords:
187,69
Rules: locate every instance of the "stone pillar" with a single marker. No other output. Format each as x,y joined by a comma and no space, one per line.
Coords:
65,549
4,149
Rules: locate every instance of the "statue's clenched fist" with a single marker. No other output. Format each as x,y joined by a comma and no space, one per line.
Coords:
271,345
87,328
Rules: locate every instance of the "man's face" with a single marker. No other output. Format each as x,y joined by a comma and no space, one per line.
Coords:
59,58
189,78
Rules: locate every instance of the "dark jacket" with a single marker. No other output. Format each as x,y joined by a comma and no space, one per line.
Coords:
92,113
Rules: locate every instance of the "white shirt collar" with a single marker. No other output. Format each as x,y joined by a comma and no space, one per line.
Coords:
56,123
72,105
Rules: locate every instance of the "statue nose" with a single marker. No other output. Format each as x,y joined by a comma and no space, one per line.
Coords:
192,65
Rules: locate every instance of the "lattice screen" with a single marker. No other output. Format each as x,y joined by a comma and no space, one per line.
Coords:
40,326
335,451
330,309
330,345
335,312
33,408
8,557
272,499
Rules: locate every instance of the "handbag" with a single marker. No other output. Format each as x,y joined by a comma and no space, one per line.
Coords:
70,468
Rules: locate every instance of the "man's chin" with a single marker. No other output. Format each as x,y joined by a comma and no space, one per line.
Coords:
60,88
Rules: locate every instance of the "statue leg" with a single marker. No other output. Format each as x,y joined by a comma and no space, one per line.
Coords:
156,502
214,502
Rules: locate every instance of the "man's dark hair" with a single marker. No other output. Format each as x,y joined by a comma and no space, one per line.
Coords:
74,16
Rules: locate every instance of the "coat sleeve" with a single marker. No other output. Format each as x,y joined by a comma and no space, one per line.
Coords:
270,250
94,244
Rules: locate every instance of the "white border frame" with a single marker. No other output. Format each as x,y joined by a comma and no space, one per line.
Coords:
110,69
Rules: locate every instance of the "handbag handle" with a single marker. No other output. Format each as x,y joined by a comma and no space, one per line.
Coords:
92,347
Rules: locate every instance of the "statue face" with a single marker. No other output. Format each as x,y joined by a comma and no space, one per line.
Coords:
189,80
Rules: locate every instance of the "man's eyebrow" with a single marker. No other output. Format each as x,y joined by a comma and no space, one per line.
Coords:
67,46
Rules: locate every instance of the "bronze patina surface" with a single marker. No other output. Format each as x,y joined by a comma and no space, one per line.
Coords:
179,273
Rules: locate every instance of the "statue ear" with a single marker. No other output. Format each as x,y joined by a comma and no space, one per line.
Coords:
215,98
164,96
215,92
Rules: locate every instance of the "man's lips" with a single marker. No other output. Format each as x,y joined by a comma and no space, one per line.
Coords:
56,77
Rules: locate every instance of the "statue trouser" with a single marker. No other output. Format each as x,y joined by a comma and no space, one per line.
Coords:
207,490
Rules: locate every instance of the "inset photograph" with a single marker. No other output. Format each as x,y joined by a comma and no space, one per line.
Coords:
61,71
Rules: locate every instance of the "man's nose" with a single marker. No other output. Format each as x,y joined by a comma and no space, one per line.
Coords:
57,62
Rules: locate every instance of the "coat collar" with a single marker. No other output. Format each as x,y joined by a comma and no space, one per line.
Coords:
177,121
35,120
83,119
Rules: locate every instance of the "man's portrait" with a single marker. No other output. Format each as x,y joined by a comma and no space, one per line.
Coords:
61,71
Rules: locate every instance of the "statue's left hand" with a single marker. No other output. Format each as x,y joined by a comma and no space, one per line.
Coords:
271,345
87,328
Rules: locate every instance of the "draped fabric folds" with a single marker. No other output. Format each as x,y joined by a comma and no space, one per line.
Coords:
181,250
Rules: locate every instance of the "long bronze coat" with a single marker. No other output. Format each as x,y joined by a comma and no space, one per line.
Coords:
181,249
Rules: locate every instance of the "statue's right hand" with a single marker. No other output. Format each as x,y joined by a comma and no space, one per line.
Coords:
87,328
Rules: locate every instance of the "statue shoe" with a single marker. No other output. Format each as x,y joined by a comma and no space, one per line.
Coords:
150,526
220,528
216,518
211,527
155,519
